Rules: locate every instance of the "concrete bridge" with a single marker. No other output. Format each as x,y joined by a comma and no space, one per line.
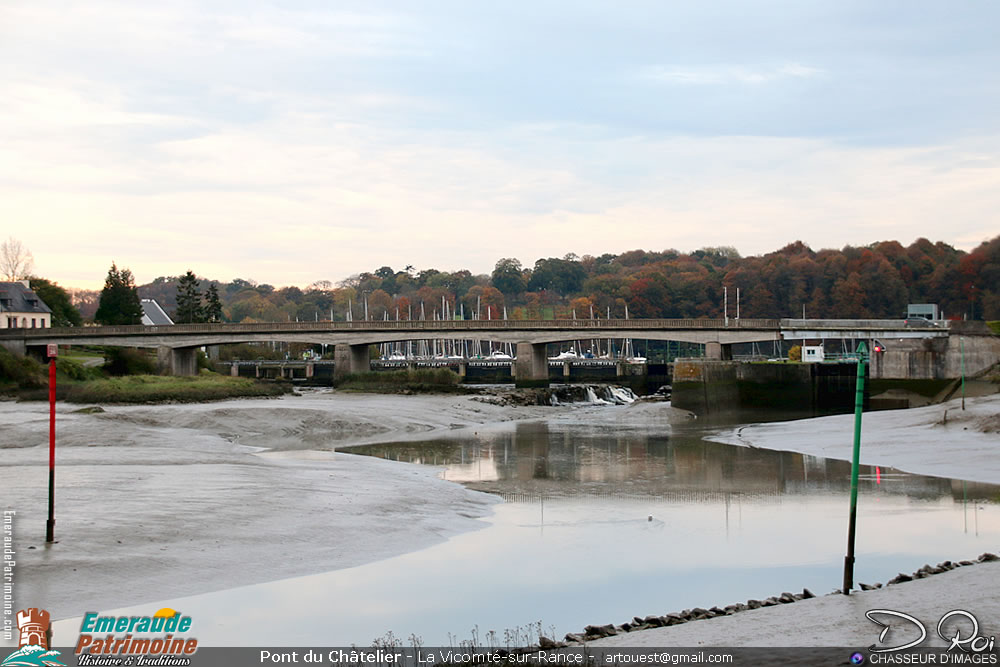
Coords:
177,344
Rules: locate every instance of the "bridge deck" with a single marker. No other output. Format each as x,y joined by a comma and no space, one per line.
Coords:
514,331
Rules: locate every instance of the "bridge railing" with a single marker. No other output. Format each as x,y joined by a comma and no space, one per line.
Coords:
848,324
395,325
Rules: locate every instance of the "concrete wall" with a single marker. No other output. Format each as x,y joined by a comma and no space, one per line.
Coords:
705,386
531,367
935,359
708,387
350,359
177,361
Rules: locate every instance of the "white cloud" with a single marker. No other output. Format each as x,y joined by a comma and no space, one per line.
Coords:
726,74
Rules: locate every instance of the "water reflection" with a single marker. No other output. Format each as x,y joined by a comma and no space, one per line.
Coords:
563,460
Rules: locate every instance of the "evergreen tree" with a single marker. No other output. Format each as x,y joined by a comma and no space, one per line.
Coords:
189,308
213,307
119,302
64,313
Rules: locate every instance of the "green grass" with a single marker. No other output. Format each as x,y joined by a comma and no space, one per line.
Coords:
994,326
161,389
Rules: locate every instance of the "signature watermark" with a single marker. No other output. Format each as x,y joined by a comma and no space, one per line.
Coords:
958,627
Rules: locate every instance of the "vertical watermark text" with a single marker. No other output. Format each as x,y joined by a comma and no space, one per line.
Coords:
7,620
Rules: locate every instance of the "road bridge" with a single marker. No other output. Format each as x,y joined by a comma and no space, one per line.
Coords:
177,344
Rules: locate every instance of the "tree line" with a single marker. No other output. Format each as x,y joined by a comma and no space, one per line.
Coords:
875,281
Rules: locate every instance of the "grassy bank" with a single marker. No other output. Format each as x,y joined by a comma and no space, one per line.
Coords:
420,381
160,389
27,380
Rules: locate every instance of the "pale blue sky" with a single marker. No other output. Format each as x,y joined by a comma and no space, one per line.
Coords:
296,141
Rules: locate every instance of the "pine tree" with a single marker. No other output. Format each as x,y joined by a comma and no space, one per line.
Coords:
213,307
189,308
119,302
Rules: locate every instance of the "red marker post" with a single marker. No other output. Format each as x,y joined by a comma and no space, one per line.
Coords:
50,525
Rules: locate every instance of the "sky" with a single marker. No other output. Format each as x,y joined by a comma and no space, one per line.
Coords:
290,142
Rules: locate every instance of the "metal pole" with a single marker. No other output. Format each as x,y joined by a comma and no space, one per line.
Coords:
962,346
50,525
859,401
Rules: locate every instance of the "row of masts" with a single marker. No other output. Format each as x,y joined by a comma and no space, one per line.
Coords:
435,348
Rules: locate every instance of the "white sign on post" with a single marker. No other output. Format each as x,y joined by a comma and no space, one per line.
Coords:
53,350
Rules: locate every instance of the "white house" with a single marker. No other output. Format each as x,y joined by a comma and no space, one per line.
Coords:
812,354
21,308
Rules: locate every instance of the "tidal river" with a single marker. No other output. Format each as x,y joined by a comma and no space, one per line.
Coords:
600,523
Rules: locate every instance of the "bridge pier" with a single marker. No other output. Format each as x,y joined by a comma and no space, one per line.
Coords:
348,359
531,368
719,351
177,360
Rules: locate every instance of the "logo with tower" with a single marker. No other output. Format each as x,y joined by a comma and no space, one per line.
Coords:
33,645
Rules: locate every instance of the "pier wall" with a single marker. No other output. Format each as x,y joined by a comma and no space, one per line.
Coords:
707,387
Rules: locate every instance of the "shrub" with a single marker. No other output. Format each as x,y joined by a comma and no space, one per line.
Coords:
419,380
128,361
204,363
74,370
20,371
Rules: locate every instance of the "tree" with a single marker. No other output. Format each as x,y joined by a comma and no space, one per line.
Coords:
119,299
562,275
508,276
16,260
64,314
213,307
189,307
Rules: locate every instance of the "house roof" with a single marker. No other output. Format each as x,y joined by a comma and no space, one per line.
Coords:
19,298
152,314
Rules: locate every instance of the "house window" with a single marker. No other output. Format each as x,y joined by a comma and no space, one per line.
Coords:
32,322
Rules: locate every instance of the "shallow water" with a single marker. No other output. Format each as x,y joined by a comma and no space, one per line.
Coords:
602,524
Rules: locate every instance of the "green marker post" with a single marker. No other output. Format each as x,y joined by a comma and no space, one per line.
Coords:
962,345
859,402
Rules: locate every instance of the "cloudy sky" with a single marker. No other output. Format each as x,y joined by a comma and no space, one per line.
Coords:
304,140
